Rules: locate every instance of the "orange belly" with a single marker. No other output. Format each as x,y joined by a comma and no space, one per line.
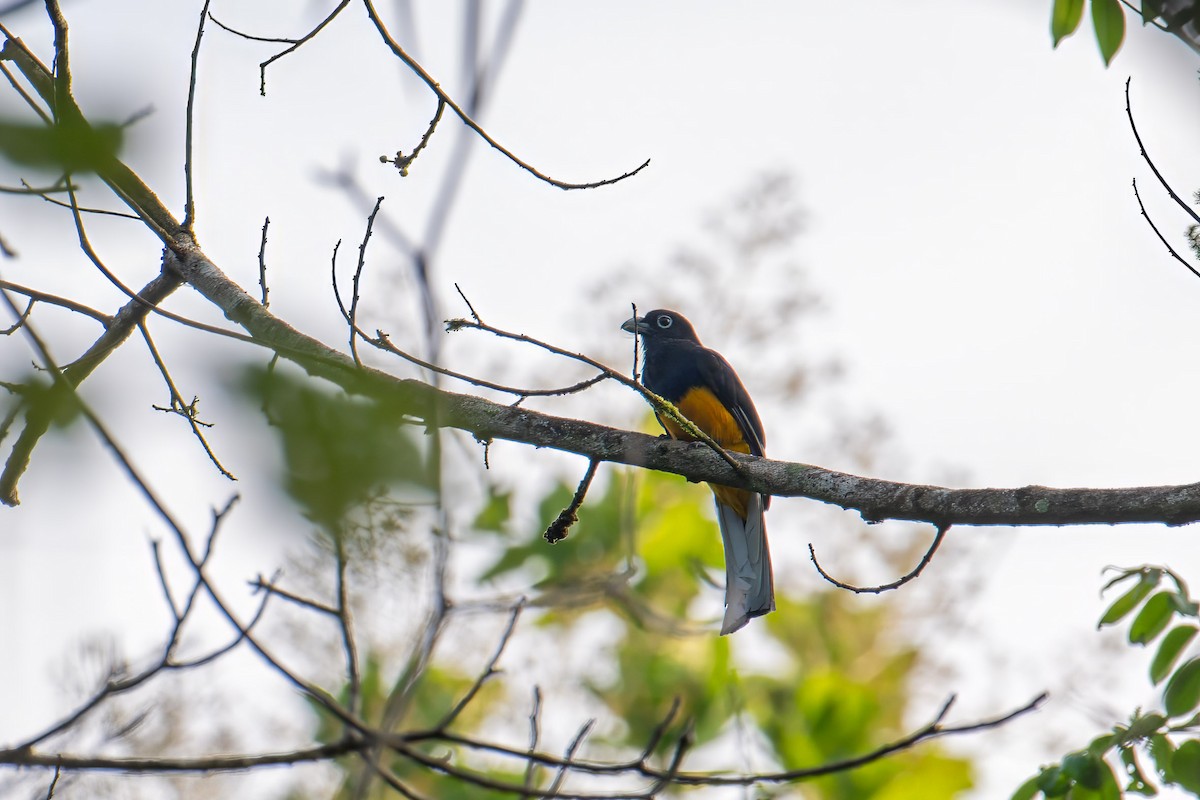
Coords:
708,414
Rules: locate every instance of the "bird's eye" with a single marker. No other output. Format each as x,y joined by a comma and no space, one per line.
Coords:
665,322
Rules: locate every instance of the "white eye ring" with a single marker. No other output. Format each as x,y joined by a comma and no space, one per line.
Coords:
664,321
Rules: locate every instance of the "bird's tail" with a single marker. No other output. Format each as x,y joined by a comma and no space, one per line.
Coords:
749,586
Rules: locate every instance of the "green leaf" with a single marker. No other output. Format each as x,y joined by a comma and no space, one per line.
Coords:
1151,9
1161,751
1143,725
1027,790
1121,607
495,512
1138,784
1100,745
1186,766
1182,694
1064,20
1109,788
1080,792
1184,606
1168,651
1108,19
65,147
1153,618
1053,782
339,451
1084,768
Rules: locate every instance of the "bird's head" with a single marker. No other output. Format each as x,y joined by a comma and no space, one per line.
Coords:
660,325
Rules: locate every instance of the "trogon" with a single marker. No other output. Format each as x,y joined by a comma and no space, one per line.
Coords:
706,390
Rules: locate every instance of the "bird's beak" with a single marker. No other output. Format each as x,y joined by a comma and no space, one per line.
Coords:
633,324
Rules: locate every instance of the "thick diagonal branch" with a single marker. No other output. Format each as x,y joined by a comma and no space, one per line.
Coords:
874,499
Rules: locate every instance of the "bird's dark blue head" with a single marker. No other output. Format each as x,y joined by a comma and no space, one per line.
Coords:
662,325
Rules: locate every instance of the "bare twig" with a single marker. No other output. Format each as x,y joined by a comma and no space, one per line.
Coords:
569,516
470,308
54,782
535,717
1146,156
637,339
896,584
488,671
189,214
177,405
358,270
262,265
382,341
1158,233
346,626
569,756
250,37
205,764
64,302
436,88
268,585
296,45
16,326
403,162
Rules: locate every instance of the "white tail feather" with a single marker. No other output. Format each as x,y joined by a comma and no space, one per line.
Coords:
749,586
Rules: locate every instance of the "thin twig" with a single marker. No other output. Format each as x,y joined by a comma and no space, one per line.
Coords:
358,270
178,407
535,717
54,782
637,339
251,37
296,45
54,201
156,549
569,756
262,584
16,326
64,302
488,671
28,98
1146,156
262,264
660,730
189,214
383,342
202,764
436,88
896,584
470,308
569,516
345,624
403,162
1158,233
27,189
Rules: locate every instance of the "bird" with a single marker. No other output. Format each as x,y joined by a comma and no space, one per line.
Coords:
706,390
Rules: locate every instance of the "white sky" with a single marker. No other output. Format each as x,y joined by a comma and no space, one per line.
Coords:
990,284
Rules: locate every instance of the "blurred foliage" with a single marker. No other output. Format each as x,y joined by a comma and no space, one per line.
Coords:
43,399
338,450
439,689
645,548
1166,740
63,147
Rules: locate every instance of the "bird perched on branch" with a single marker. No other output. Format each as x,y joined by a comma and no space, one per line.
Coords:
706,390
